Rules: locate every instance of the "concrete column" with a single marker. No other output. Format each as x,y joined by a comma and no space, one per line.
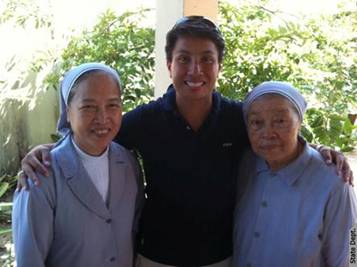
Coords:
167,13
207,8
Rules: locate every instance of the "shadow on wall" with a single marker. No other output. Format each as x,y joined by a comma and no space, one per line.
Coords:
27,118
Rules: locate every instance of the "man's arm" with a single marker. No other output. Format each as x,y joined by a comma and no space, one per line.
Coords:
38,159
331,156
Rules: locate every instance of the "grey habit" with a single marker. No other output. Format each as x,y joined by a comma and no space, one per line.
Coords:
65,222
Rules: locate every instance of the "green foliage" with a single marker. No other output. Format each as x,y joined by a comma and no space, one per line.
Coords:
7,186
55,137
7,182
120,42
318,56
6,246
330,128
309,53
7,255
5,217
24,13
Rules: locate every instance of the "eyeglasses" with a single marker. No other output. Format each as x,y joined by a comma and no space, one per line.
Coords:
195,20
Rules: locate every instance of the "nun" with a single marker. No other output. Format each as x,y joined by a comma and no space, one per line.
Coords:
85,213
295,211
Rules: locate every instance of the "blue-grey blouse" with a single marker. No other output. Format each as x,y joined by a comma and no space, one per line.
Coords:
298,216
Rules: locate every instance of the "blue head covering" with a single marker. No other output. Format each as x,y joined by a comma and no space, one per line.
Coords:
68,81
280,88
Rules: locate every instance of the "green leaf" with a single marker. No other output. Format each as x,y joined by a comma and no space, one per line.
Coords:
5,230
3,187
5,206
306,133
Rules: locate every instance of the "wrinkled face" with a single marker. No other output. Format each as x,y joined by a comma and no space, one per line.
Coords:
273,127
95,113
194,68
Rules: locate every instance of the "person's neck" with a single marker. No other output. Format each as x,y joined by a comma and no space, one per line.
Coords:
194,112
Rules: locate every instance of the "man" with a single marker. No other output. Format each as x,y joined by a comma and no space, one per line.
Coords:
190,141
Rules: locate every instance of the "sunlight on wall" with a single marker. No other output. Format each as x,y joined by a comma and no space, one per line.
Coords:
68,17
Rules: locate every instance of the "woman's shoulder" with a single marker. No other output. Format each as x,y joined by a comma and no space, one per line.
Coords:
128,157
61,145
63,152
121,152
326,174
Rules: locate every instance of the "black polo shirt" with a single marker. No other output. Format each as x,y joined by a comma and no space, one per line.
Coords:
187,219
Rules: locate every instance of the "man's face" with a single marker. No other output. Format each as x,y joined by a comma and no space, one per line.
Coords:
194,68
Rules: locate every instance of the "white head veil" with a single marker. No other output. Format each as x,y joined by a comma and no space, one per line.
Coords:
280,88
68,81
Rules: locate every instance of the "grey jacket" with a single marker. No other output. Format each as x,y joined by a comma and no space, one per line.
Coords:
65,222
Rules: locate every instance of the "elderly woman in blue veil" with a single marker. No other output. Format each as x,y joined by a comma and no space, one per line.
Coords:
85,214
295,211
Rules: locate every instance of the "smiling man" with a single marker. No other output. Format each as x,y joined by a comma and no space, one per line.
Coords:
190,148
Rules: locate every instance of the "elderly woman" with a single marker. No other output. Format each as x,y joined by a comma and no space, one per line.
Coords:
295,210
84,214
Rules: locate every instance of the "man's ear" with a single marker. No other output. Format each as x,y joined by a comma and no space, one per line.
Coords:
168,65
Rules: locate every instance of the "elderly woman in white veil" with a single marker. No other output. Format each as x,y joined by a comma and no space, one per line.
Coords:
295,211
84,214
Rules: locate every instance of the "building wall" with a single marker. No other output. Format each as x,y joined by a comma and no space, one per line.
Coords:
26,120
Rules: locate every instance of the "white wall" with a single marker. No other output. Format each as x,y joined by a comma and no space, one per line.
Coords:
25,121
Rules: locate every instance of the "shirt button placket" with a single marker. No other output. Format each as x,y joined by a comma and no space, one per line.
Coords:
258,229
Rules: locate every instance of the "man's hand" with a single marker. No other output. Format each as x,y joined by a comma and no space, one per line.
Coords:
37,160
334,157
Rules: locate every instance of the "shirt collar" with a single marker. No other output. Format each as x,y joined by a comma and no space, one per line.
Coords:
292,172
169,100
86,157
